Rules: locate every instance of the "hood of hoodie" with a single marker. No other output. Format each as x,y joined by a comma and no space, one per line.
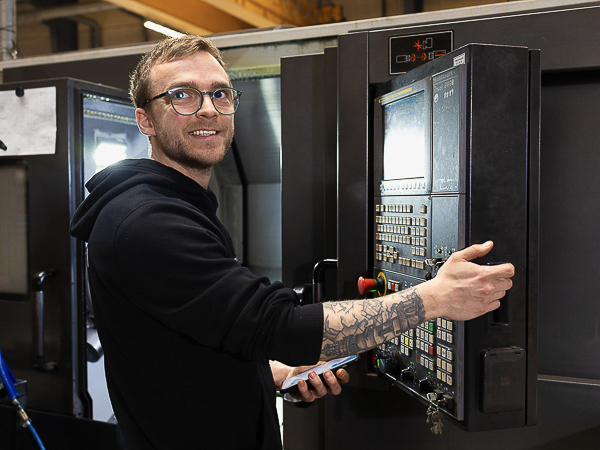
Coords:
127,174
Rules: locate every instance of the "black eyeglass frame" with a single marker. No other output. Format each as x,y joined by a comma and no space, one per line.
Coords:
202,94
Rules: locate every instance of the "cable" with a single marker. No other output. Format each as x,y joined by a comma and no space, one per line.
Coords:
8,381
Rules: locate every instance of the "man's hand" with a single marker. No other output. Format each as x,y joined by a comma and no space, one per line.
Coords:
316,389
463,290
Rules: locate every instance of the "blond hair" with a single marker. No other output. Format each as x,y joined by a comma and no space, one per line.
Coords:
165,51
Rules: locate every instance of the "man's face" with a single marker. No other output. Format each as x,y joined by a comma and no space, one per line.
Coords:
195,142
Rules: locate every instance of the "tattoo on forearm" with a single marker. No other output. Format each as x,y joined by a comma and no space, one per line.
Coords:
354,326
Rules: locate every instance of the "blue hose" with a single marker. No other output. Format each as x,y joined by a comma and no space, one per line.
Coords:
8,381
36,437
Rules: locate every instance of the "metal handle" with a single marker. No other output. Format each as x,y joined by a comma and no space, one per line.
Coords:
319,278
38,325
499,319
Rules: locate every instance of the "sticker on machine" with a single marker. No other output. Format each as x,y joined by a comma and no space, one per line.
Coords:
460,59
28,121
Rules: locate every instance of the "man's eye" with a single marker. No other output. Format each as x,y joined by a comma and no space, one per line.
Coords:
180,95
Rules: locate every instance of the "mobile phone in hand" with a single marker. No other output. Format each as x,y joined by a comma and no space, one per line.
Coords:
333,365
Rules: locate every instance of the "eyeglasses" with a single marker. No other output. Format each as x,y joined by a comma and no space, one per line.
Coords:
187,101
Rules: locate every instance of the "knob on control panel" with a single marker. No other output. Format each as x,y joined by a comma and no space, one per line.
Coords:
425,385
387,361
408,374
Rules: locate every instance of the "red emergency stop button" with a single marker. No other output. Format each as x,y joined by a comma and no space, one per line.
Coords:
366,285
372,285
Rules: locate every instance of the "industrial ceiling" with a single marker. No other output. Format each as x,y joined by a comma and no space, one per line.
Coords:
191,16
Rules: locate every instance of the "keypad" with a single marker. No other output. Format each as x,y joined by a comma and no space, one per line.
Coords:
396,227
431,341
402,238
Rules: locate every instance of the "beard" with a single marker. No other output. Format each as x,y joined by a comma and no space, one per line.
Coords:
200,157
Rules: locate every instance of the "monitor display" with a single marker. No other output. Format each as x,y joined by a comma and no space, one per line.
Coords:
110,133
405,143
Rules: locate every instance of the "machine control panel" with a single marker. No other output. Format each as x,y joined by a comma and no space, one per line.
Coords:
439,182
416,226
426,358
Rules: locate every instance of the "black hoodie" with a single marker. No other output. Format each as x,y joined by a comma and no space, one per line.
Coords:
186,330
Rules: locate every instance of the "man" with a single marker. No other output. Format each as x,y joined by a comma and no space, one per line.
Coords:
188,332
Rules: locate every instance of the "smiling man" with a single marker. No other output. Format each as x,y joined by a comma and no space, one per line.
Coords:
191,337
188,333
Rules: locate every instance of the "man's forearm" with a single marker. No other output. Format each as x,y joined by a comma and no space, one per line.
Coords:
351,327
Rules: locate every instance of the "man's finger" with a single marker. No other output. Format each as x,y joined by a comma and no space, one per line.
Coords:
304,393
333,386
317,384
342,376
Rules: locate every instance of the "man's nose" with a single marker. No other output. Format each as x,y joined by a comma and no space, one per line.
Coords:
207,108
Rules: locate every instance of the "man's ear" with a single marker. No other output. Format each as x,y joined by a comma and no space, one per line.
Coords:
144,122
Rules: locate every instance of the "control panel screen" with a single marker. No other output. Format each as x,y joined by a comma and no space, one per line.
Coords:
404,142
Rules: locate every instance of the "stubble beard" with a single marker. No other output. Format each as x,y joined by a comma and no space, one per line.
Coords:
197,159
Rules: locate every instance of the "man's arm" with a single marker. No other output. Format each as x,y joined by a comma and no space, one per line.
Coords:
351,327
461,290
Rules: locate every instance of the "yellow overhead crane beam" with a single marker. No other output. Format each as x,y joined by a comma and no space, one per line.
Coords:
218,16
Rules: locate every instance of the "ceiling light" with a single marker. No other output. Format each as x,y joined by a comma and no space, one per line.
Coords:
164,30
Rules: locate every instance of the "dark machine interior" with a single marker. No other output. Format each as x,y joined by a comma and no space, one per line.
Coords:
299,193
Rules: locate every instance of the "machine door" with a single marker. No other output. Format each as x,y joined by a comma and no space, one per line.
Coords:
50,130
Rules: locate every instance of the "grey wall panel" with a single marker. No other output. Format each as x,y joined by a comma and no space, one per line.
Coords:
309,164
569,317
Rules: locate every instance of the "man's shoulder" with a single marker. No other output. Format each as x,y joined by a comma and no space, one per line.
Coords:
152,210
143,203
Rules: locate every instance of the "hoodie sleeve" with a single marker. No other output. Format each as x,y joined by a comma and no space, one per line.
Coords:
172,263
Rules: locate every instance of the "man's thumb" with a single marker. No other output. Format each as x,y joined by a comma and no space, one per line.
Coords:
476,251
